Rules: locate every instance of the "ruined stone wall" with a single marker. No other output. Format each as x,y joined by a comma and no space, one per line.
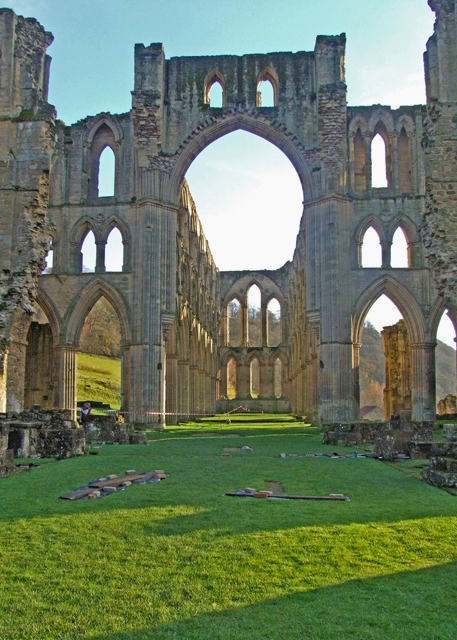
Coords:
192,348
27,129
397,392
440,146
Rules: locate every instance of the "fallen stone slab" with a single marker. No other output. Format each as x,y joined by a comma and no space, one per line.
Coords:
112,484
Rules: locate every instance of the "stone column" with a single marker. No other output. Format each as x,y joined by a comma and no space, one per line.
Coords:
125,379
356,371
183,390
223,390
66,389
263,324
172,391
15,378
386,254
243,380
100,257
244,325
423,388
193,386
267,380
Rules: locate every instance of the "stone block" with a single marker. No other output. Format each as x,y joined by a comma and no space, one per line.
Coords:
23,442
450,432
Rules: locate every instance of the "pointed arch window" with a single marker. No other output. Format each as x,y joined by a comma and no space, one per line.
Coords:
106,172
267,88
88,253
371,252
278,391
234,330
231,379
254,325
379,162
255,378
399,251
214,89
273,323
114,251
102,181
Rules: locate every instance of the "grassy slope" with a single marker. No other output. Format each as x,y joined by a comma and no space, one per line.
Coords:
178,560
99,378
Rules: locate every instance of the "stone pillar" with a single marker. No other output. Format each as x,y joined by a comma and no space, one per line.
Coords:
183,391
244,325
66,388
193,386
125,378
40,367
100,257
263,324
223,389
15,379
397,392
267,380
243,380
172,391
386,254
423,388
356,369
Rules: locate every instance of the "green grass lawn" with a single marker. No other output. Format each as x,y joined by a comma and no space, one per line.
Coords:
99,378
179,560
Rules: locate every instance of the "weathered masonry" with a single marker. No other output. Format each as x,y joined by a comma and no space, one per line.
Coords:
188,344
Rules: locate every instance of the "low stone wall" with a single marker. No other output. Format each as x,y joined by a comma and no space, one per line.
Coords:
396,439
107,429
344,434
47,433
442,471
6,455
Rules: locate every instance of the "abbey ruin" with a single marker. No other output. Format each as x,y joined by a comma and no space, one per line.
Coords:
181,354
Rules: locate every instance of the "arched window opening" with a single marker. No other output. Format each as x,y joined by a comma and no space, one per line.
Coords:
106,172
404,162
40,366
254,328
255,378
378,383
278,378
253,180
114,251
371,253
99,363
265,93
360,162
273,323
445,365
399,252
231,379
88,253
216,95
234,331
379,164
49,259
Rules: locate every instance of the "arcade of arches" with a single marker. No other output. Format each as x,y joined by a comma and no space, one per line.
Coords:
192,340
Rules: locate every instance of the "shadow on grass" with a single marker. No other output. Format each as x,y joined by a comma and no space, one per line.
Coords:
417,605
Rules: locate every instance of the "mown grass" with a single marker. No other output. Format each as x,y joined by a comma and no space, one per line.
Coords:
179,560
99,378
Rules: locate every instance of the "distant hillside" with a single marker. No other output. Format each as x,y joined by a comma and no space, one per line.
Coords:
99,378
372,368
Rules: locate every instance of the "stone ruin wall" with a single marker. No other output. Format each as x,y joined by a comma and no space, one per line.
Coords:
170,123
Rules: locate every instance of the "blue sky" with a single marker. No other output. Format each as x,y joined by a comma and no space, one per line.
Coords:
92,71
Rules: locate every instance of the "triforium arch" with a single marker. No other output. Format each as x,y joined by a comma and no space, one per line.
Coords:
103,133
